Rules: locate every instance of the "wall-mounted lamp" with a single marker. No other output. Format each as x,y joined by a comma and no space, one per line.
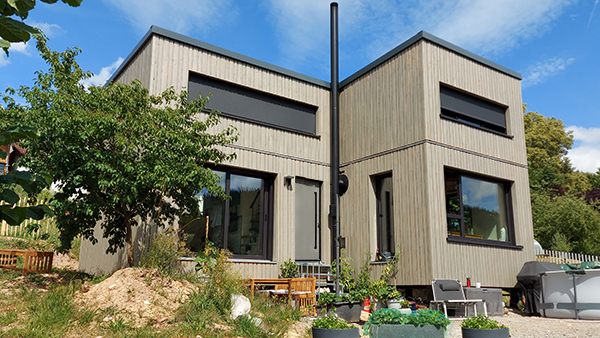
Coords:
287,181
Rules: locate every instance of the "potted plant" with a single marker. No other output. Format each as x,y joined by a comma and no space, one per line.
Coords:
405,307
289,269
481,326
391,323
346,306
381,293
332,326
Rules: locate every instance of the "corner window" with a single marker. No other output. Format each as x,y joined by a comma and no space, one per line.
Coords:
477,208
471,110
242,224
385,216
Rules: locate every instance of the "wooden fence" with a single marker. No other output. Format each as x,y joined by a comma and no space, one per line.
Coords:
561,257
46,227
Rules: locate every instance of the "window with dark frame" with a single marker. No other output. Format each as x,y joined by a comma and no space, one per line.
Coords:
242,224
478,209
385,216
468,109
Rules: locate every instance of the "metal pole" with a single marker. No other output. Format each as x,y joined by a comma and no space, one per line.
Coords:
335,139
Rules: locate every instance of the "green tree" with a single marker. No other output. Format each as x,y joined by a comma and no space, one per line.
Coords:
119,155
565,223
24,181
12,30
547,145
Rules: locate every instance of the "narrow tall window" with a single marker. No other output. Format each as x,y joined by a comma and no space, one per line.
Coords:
385,216
477,208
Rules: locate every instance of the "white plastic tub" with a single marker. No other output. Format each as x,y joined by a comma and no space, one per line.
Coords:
558,296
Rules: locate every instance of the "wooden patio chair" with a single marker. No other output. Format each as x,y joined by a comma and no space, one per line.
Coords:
449,293
303,294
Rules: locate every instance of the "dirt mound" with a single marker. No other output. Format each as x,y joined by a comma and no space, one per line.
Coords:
139,296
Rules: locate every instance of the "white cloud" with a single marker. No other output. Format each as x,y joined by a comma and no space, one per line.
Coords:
3,60
585,155
19,47
49,29
543,70
181,16
104,74
482,26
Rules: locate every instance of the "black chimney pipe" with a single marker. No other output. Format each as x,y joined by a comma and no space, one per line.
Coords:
335,143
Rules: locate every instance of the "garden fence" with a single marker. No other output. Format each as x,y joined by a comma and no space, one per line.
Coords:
561,257
46,227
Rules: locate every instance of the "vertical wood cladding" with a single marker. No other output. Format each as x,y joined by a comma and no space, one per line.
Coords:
165,62
391,123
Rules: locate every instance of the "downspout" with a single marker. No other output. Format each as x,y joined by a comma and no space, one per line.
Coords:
334,212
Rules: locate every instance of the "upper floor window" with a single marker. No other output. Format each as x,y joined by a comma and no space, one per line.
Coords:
478,209
385,216
465,108
254,106
242,224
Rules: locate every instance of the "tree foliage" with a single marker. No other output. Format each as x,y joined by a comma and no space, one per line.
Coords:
547,145
31,184
12,30
118,155
565,203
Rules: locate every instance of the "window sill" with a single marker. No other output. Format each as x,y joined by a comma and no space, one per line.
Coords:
233,260
483,242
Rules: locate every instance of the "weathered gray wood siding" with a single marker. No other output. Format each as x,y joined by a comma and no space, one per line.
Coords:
164,62
391,122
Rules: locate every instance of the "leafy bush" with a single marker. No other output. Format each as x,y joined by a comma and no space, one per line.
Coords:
394,316
481,322
165,250
289,269
330,321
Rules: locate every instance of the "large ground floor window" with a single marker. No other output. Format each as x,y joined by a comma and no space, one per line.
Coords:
243,223
478,208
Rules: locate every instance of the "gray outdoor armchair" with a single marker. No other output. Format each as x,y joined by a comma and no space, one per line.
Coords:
449,293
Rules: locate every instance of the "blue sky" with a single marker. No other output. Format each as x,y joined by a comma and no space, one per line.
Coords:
554,44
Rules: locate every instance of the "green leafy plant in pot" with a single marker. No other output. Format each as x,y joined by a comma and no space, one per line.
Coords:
331,326
392,323
481,326
289,269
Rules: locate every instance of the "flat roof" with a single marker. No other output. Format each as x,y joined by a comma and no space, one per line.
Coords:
252,61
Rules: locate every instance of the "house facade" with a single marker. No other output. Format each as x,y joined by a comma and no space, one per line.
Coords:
431,139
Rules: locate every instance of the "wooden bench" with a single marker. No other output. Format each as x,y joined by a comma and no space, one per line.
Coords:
33,261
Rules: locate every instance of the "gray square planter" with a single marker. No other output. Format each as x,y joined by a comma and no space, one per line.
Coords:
406,331
485,333
335,333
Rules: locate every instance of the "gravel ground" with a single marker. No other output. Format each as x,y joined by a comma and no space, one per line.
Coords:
522,326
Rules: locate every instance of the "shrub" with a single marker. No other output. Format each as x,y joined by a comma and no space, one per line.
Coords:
481,322
289,269
330,321
165,250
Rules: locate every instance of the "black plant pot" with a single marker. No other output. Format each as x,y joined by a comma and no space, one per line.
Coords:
349,312
485,333
335,333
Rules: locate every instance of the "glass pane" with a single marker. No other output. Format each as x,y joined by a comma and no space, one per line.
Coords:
195,229
484,209
386,216
451,185
453,227
245,215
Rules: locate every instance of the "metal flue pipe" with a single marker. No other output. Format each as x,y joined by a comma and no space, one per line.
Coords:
335,143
